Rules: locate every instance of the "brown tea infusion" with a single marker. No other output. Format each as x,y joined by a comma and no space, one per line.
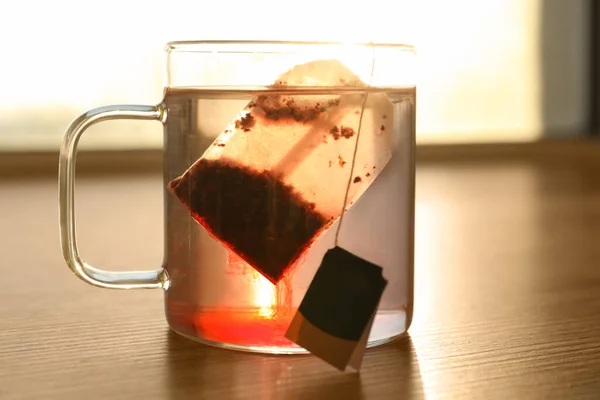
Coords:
275,178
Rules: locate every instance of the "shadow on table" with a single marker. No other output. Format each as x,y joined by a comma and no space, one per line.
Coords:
199,371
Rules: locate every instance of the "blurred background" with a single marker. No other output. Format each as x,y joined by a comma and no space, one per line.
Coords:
490,71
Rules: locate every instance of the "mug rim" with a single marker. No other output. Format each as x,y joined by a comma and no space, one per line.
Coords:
183,45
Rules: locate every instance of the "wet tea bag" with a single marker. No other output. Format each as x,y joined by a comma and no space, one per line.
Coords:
276,177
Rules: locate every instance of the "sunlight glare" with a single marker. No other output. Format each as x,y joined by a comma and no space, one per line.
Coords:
466,50
265,298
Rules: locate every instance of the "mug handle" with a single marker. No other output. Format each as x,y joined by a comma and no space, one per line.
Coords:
66,172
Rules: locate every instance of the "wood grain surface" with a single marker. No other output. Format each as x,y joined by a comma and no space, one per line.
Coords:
507,295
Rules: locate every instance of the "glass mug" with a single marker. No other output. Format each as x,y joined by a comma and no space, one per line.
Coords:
226,102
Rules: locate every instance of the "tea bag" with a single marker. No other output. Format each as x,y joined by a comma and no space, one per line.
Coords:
276,177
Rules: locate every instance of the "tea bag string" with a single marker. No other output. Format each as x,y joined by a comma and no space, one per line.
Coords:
353,163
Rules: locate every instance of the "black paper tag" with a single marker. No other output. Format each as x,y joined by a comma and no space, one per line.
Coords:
335,316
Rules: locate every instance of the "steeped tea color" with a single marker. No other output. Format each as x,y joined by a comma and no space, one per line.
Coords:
215,294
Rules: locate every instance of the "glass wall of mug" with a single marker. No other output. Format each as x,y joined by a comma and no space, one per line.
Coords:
259,164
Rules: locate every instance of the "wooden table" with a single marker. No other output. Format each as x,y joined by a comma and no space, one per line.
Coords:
507,295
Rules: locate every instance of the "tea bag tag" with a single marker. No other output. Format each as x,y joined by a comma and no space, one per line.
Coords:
336,314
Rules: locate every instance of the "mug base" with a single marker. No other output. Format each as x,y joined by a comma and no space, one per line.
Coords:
284,348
